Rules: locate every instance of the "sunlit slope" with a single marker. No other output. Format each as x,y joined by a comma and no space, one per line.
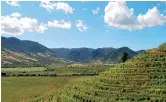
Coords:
142,78
25,53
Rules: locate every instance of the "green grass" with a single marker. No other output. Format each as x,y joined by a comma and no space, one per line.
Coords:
81,70
30,88
29,69
140,79
162,46
16,89
84,69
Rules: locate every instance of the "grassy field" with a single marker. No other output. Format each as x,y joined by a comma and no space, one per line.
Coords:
58,70
79,69
30,88
29,69
16,89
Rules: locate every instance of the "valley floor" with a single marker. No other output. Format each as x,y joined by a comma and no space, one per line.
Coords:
22,89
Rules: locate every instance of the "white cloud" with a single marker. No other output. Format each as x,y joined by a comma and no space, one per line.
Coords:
41,28
51,6
59,24
117,14
15,24
96,11
81,26
15,14
164,10
47,5
151,18
13,3
65,7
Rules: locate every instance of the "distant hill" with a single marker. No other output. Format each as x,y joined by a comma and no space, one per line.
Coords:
15,52
139,51
89,54
140,79
115,55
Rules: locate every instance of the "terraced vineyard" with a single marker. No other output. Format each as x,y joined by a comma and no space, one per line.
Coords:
142,78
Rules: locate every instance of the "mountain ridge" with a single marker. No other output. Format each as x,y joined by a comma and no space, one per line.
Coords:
25,53
85,54
31,53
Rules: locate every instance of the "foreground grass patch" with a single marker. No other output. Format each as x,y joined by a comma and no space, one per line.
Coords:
16,89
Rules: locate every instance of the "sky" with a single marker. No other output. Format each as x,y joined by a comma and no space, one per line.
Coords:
74,24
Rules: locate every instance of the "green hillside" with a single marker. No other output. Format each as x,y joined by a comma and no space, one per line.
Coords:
142,78
108,55
24,53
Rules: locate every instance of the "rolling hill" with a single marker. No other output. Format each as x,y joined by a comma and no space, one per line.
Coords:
27,53
81,54
142,78
93,55
15,52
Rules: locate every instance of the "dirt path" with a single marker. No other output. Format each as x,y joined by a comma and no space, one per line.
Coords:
30,97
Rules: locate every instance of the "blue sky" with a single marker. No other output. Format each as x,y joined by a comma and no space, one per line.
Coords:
138,25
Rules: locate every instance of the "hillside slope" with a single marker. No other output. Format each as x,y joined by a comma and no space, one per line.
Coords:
115,56
15,52
142,78
81,54
89,54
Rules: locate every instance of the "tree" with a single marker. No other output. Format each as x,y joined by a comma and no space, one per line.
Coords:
124,57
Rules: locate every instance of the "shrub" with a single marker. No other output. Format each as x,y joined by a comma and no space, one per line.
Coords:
19,74
124,57
33,75
26,74
13,74
53,75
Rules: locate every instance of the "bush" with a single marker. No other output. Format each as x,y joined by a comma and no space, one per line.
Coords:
124,57
53,75
45,75
156,100
13,74
33,75
26,74
19,74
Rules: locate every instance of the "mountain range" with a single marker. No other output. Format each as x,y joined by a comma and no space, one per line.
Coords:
90,54
16,52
